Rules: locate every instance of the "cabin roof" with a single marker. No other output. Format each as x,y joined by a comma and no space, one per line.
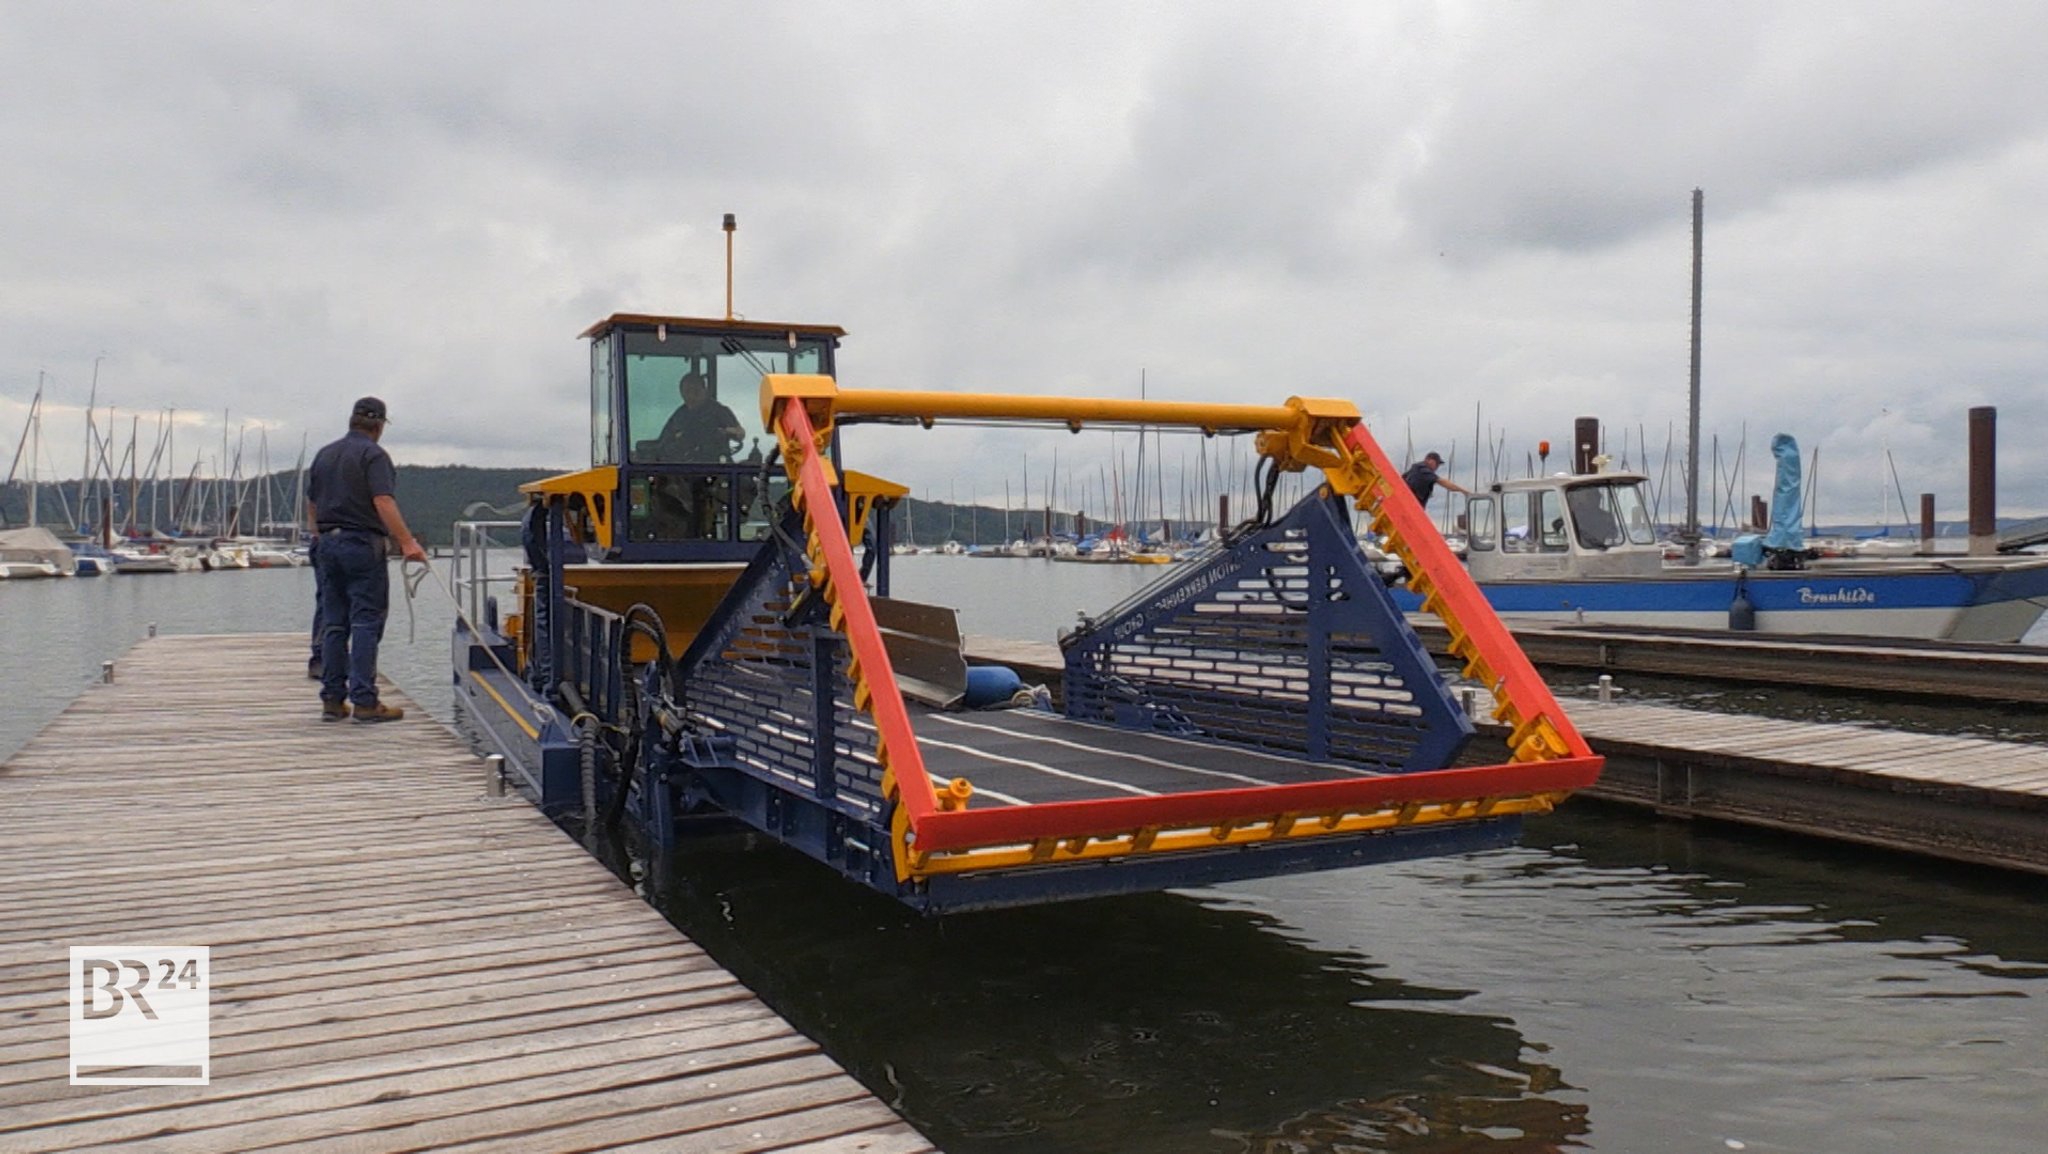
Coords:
637,320
1567,480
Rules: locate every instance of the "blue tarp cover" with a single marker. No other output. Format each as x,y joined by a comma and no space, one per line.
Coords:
1787,507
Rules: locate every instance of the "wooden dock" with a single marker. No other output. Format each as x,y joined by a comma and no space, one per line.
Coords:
1963,798
1957,670
1960,798
400,962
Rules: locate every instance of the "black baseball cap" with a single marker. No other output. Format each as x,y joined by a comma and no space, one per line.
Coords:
370,408
1426,456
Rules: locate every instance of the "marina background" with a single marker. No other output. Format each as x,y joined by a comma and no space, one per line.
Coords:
1616,983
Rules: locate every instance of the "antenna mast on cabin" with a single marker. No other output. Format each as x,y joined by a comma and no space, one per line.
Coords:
731,226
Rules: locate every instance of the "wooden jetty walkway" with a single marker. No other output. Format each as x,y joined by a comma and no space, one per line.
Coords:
1958,670
1960,798
1964,798
399,961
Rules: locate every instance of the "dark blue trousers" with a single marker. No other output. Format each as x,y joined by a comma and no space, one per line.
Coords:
319,597
355,592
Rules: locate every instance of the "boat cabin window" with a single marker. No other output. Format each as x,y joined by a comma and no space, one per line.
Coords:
1609,514
1479,517
690,506
1515,535
603,448
695,399
1551,520
1532,521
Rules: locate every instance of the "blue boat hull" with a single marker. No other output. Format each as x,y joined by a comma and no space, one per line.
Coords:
1958,600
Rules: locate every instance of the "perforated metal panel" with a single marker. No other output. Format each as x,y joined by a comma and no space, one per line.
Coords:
778,689
1285,641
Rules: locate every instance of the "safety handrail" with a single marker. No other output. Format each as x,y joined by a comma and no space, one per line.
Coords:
471,543
595,641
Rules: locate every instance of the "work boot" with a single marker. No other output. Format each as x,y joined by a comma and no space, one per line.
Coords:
333,710
378,712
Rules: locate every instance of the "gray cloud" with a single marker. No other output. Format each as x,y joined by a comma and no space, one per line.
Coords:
1434,209
1570,125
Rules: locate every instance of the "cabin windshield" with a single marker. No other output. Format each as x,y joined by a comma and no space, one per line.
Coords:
695,399
1610,513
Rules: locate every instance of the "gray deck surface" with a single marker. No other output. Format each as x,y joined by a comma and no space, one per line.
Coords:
1026,757
399,962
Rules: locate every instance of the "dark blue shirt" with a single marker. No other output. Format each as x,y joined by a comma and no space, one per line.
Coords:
1421,479
697,435
344,481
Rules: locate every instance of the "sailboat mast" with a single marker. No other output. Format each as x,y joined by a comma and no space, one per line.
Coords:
220,482
134,468
92,400
1691,536
35,452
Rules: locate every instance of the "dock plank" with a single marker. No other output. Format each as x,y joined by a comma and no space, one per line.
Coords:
399,962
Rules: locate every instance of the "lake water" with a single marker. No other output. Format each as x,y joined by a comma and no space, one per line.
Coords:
1617,983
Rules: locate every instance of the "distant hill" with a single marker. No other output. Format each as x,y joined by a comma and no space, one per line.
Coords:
433,497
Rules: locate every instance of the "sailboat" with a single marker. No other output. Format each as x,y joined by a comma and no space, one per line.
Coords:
32,551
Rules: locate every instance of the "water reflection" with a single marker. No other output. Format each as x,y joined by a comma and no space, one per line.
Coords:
1788,890
1154,1023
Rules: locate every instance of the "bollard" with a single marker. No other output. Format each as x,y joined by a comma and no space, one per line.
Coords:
106,673
152,629
1606,688
494,775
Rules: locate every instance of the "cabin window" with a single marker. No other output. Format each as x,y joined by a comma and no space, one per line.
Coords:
1517,532
1551,521
1479,518
695,399
1634,514
603,448
692,506
1611,514
1593,518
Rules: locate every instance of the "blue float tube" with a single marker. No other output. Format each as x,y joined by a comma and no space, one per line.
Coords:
990,685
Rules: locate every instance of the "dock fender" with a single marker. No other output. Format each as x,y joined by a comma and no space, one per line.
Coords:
1741,610
990,685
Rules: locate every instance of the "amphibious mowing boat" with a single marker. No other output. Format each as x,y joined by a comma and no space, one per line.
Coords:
696,631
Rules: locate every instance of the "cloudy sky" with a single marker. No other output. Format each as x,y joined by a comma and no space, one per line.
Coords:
1449,212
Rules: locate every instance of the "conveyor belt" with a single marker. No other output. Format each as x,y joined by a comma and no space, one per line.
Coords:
1028,757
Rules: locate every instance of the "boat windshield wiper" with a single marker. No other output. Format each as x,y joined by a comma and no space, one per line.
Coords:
732,345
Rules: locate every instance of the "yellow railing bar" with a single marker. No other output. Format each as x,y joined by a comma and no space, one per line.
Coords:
823,396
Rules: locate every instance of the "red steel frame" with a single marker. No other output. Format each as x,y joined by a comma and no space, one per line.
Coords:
933,829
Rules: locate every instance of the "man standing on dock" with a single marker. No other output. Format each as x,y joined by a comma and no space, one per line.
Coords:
355,514
1422,479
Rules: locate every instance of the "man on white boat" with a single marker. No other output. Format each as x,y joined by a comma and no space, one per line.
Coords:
1422,479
